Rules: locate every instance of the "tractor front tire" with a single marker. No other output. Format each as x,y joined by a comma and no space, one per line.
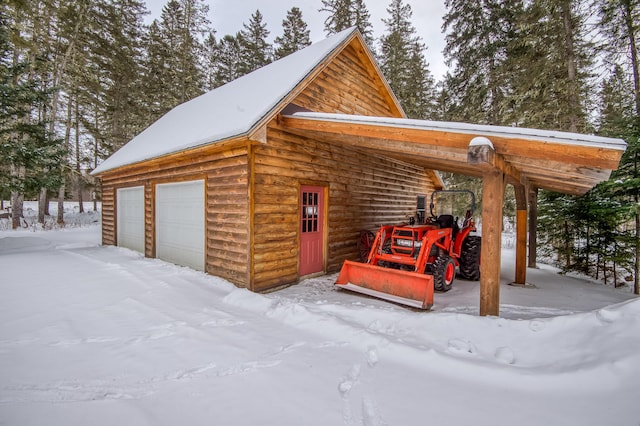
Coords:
470,258
444,272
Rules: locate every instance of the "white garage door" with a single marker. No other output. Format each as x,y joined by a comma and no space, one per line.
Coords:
130,225
180,223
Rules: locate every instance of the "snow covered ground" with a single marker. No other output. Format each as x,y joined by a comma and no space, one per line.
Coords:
98,335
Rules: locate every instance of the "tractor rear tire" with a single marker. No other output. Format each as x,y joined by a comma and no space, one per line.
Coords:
444,272
470,258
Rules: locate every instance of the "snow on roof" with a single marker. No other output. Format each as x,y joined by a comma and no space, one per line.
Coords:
480,141
228,111
474,129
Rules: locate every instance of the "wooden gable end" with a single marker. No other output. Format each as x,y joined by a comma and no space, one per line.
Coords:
350,83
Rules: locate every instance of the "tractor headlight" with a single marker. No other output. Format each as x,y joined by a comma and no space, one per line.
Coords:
404,243
401,242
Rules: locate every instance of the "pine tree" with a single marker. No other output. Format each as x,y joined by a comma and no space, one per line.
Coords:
211,61
30,155
157,72
228,61
616,119
110,96
478,36
619,24
255,50
617,105
175,54
550,75
403,63
340,17
621,114
295,34
362,20
345,14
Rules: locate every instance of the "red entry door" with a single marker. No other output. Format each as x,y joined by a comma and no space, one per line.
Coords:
311,229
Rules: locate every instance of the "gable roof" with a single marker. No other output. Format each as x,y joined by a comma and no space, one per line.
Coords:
232,110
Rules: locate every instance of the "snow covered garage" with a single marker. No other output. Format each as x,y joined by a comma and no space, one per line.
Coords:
292,170
228,190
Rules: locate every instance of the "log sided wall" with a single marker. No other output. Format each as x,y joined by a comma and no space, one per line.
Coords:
365,191
225,172
348,85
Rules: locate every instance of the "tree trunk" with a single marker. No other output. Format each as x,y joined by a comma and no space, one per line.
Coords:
17,198
636,263
574,103
60,217
79,177
567,246
42,202
17,201
95,165
46,204
628,18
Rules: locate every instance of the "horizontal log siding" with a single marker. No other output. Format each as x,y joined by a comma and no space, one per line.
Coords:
149,220
108,215
345,86
227,206
365,191
227,220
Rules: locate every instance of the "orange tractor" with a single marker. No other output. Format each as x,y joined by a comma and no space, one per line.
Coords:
406,263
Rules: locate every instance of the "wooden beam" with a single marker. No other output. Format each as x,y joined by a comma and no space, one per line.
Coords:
492,200
259,135
582,155
481,153
533,227
521,247
556,185
521,234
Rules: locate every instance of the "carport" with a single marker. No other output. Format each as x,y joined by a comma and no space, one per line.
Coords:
528,159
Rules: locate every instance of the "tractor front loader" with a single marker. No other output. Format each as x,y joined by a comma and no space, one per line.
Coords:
408,262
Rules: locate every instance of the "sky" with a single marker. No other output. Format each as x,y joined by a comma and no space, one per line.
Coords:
227,17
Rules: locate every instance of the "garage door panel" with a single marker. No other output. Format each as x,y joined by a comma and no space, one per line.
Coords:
130,221
180,223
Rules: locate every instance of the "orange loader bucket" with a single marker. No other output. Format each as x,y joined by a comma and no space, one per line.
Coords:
404,287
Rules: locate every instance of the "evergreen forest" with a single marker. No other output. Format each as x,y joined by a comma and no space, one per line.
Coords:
79,79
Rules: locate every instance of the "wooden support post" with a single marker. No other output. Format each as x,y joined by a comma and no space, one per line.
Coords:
521,247
482,154
492,200
533,227
521,234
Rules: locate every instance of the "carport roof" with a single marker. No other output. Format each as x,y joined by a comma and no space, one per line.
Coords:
560,161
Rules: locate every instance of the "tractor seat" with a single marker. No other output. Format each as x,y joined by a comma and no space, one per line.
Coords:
445,221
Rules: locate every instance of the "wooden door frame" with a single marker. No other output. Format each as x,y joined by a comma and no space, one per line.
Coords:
325,225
